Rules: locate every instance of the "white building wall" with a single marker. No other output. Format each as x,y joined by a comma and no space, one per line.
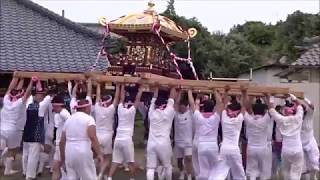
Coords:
310,89
312,92
264,75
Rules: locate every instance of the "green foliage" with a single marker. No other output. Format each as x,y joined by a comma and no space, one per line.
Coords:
170,8
246,46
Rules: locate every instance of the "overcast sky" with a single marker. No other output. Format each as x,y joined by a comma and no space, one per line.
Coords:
217,15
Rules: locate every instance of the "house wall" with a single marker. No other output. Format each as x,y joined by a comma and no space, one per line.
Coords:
308,82
311,91
309,75
264,75
315,75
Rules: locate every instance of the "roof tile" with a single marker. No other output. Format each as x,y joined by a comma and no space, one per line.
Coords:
309,58
44,41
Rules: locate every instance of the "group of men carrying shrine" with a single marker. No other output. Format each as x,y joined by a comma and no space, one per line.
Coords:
81,138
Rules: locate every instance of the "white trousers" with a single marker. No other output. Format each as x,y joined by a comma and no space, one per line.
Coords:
269,161
231,160
30,158
292,163
195,159
159,154
123,151
208,155
105,141
311,155
11,138
79,161
259,162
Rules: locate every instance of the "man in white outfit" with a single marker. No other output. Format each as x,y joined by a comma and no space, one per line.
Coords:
81,93
47,148
11,122
105,109
269,147
257,122
208,124
61,116
290,128
231,120
77,139
34,132
276,148
159,145
309,144
183,136
123,150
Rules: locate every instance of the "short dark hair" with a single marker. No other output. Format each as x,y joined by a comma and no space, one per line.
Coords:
58,99
278,108
208,105
235,105
160,101
259,108
81,95
14,92
288,103
82,102
184,102
105,97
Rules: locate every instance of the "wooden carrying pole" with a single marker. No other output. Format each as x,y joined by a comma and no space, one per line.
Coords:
45,75
150,79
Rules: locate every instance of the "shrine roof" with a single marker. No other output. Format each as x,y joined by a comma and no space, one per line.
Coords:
144,21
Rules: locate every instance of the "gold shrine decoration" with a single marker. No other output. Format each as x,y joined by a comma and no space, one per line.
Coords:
192,32
150,79
103,21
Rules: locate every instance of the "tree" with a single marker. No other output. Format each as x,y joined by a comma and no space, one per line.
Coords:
170,8
246,46
256,32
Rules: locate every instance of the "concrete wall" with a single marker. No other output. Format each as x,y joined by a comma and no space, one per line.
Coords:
315,75
312,92
309,75
264,75
310,85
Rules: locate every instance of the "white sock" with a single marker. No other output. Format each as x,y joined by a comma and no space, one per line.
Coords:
8,165
150,174
109,178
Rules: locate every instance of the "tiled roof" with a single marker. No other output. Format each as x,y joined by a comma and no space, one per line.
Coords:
310,58
32,38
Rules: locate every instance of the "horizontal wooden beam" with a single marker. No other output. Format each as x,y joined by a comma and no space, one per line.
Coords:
206,84
46,75
148,78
